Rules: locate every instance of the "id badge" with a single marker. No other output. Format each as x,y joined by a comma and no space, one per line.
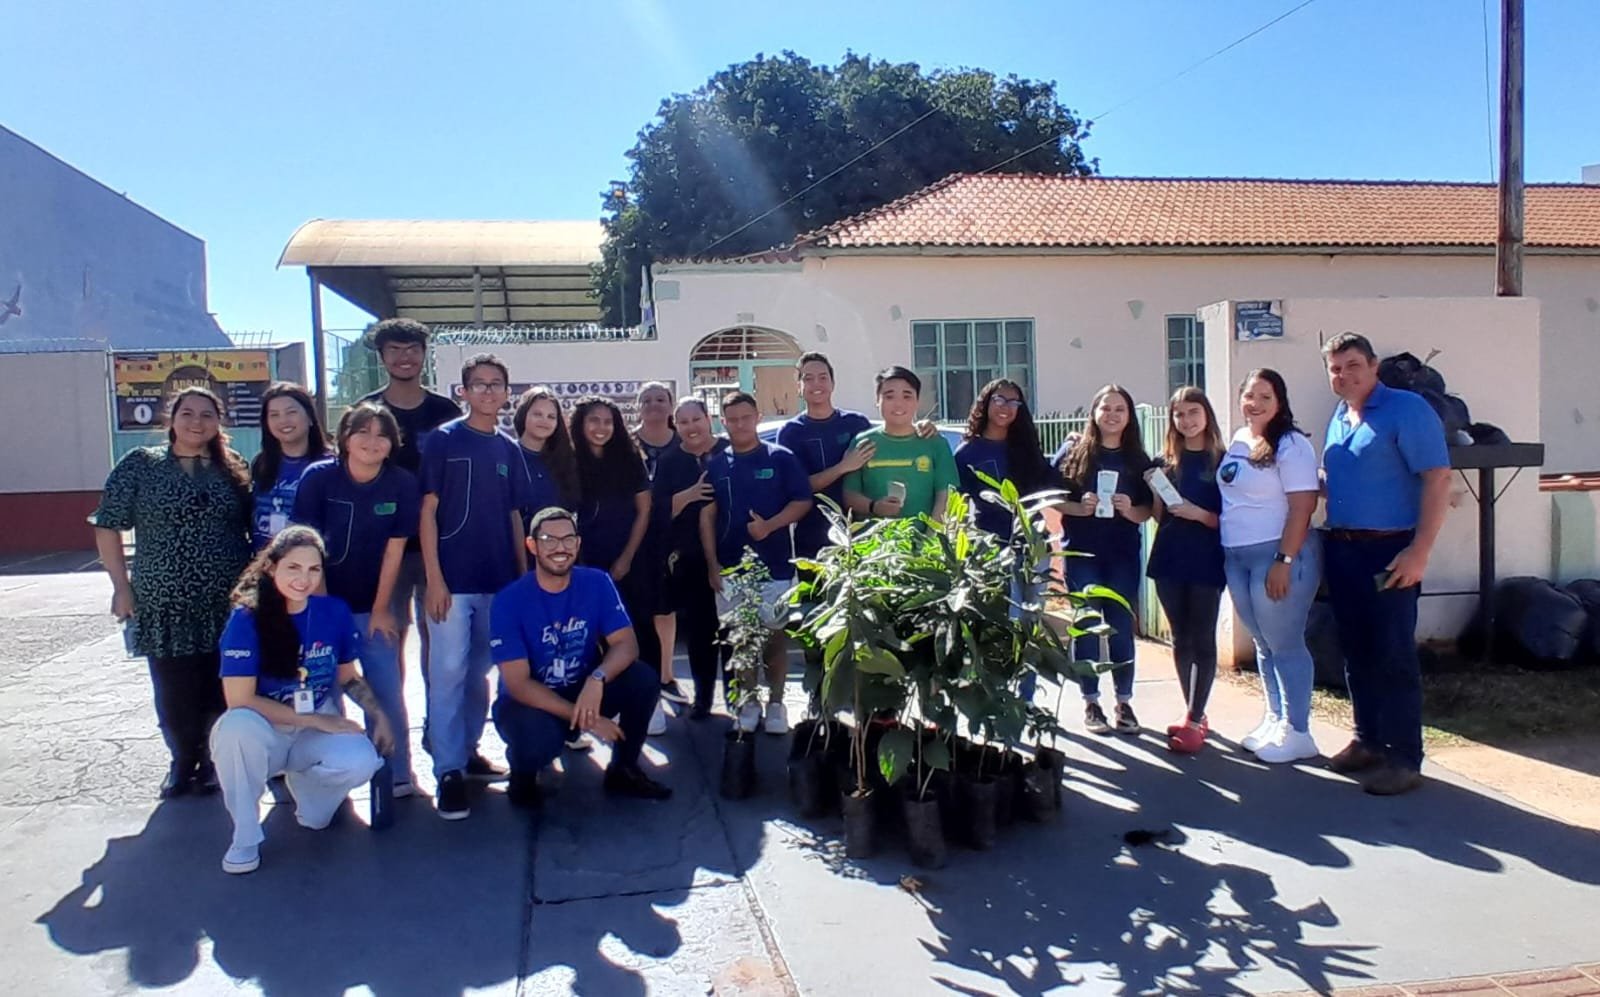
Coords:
277,522
305,701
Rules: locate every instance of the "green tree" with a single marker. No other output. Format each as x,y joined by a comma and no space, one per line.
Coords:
761,132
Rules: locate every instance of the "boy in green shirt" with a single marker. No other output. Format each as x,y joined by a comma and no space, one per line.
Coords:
907,476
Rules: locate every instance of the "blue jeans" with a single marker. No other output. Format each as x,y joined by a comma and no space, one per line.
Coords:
1378,634
380,666
1120,575
458,686
1278,627
534,738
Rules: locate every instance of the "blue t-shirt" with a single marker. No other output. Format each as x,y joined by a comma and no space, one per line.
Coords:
480,481
1186,551
606,517
357,521
559,633
327,639
1374,468
543,492
819,444
991,457
275,503
675,472
1115,537
762,481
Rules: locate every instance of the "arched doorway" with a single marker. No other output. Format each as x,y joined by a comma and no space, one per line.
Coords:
746,358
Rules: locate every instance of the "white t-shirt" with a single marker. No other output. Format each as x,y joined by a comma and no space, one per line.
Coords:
1255,500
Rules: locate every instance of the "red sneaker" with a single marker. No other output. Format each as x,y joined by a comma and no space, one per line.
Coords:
1188,739
1205,725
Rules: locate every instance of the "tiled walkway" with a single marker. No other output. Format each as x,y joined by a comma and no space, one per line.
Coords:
1579,981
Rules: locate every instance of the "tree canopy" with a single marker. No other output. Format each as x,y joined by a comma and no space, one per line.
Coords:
763,131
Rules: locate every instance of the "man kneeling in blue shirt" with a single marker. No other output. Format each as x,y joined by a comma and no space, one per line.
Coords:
568,662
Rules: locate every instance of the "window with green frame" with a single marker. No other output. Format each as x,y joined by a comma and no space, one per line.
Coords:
956,358
1186,352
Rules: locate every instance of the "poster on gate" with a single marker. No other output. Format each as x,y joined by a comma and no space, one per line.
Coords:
623,394
142,384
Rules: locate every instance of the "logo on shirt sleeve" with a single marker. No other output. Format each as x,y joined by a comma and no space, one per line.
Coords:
1229,471
236,652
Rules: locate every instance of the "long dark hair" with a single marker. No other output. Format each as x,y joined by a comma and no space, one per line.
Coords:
1081,458
618,469
1024,455
222,456
278,640
1265,452
1191,395
558,451
358,417
265,467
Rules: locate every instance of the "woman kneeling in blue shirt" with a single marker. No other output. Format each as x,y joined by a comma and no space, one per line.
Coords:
283,651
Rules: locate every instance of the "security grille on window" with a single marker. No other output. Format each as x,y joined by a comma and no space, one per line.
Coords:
955,359
1186,355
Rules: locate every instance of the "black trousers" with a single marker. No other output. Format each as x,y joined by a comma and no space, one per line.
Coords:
188,695
640,593
697,620
1192,613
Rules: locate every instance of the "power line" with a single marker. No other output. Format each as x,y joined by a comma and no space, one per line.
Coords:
1174,77
1488,93
823,179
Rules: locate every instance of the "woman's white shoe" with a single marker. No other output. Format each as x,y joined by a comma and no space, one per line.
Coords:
1289,745
1262,735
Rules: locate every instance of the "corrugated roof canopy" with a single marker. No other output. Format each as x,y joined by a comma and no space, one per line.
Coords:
1030,210
451,272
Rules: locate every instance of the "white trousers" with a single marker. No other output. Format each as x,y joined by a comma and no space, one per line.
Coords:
320,769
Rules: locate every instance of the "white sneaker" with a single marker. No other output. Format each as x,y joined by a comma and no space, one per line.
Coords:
750,716
579,741
658,721
1263,733
242,859
1289,745
777,718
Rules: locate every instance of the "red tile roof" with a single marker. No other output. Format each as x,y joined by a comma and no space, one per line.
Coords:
1018,210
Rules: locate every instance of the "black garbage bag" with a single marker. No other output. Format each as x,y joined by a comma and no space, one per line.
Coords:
1536,625
1405,371
1587,592
1451,409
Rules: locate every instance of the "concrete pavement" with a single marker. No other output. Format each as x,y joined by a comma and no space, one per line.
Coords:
1280,879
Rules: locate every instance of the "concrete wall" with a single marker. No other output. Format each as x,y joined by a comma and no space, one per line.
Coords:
1102,317
1507,329
91,264
57,452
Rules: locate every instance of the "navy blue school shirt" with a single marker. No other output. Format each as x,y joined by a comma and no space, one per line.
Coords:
274,503
543,492
990,457
416,424
1185,551
327,639
1110,538
558,633
657,540
762,481
606,519
357,521
480,481
819,444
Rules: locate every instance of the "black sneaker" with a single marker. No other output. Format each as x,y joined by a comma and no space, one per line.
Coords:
701,711
523,791
178,782
673,693
632,782
452,801
1127,723
1094,719
1392,780
205,779
481,769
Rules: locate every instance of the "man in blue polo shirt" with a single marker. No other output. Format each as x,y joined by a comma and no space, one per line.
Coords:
1387,471
759,490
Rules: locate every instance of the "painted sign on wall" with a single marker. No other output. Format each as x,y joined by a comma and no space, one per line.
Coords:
623,394
1258,320
142,384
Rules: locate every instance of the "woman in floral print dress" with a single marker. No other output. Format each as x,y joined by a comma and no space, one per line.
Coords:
188,503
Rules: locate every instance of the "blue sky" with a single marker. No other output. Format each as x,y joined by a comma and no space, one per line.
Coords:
240,121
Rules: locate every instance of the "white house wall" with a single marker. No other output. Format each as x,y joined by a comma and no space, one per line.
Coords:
1102,318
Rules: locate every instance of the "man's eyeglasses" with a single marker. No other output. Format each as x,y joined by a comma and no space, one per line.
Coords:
568,542
1003,402
486,387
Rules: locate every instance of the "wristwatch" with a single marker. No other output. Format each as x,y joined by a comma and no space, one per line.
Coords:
1283,558
597,676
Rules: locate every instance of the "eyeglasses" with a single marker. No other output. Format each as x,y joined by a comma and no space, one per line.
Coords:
568,542
1004,402
486,387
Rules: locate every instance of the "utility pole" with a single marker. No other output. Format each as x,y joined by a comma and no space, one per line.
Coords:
1508,239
